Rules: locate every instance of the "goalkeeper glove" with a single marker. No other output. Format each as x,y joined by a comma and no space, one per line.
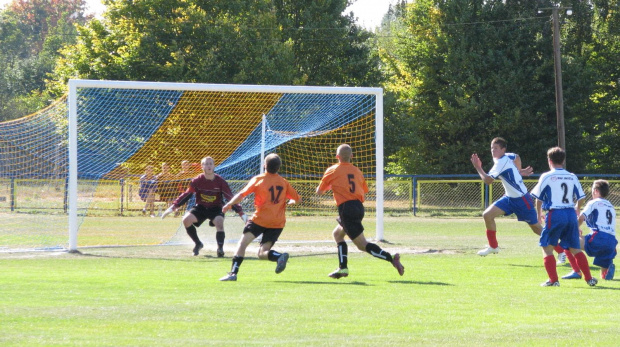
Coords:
167,212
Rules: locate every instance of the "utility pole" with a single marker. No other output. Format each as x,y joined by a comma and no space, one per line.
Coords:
557,62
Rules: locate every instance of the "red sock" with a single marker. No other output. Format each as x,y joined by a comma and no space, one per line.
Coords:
559,249
549,262
492,238
583,265
572,261
603,273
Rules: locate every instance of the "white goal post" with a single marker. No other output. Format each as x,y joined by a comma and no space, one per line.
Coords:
293,99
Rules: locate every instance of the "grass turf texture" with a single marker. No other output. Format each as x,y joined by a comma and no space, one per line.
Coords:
146,296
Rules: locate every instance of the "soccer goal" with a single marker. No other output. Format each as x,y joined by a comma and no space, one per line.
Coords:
79,162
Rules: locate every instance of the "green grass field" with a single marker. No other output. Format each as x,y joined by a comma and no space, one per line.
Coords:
162,296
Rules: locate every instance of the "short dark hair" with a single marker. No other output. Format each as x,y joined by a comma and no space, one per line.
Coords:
557,155
500,141
273,163
602,186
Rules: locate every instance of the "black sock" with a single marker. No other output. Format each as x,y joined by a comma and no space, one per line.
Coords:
343,254
193,234
236,263
219,237
376,251
273,255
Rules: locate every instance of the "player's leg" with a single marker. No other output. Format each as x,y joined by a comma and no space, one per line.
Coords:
377,252
270,236
189,221
550,267
343,252
582,261
220,235
150,202
489,216
237,259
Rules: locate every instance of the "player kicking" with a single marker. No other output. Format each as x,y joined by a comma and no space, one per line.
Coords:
556,192
600,216
349,187
506,167
271,192
210,190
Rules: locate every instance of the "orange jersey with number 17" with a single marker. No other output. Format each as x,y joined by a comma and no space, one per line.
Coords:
270,194
346,181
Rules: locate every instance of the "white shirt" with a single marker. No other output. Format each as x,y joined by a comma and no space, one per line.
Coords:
558,189
600,216
505,169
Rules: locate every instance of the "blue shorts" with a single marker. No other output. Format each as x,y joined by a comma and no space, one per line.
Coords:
601,246
522,207
561,225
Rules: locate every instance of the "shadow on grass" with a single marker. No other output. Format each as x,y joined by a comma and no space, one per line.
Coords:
599,287
354,283
423,283
567,268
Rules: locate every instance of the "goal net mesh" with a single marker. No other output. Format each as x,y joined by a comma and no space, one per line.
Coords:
122,131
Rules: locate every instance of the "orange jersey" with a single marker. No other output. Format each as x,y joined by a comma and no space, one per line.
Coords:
270,194
346,181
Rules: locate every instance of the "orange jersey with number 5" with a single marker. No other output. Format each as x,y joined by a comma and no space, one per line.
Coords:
270,194
346,181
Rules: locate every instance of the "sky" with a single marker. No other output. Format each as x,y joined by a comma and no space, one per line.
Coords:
368,12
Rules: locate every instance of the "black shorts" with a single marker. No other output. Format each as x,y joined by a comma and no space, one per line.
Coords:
202,214
351,214
269,234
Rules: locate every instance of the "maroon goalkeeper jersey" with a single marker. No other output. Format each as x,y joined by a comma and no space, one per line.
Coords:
209,193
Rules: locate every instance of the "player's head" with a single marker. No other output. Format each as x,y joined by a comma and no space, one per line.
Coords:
273,163
498,147
602,186
208,165
556,156
344,153
165,167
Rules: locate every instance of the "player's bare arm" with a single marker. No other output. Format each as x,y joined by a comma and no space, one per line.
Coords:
475,160
235,200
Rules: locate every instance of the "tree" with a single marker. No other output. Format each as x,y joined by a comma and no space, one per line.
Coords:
466,71
238,41
31,32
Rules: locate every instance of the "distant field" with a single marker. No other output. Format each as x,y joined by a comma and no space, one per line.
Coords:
163,296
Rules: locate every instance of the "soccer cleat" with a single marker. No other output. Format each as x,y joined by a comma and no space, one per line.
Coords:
561,259
282,263
610,272
592,282
396,263
572,276
220,252
487,251
229,277
550,284
339,273
198,248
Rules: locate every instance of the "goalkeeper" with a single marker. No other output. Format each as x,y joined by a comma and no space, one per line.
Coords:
211,190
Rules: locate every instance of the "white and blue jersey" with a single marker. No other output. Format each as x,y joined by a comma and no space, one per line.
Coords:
558,189
600,215
505,169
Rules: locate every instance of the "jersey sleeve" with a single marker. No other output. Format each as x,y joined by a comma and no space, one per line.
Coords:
186,195
228,195
291,193
326,181
249,187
